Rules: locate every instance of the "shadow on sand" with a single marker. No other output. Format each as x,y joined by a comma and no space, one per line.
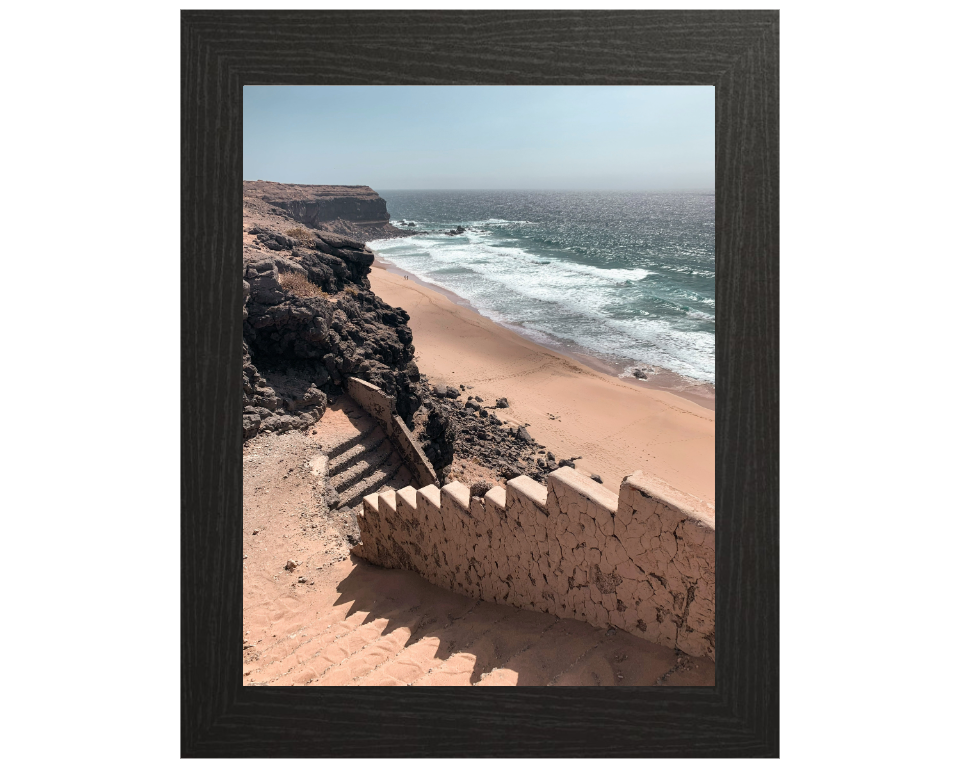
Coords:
471,638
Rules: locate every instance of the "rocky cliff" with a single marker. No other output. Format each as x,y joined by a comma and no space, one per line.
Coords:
311,321
355,211
310,318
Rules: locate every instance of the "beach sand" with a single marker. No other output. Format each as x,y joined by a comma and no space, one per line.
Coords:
313,614
615,426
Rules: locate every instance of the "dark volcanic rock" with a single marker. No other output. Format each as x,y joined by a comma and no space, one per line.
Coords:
297,349
484,441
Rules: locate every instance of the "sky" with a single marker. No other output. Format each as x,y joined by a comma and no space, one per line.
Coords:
644,138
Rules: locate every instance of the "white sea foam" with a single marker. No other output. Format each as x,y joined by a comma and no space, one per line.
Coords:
549,298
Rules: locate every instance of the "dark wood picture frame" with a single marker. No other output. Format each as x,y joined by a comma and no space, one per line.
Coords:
735,51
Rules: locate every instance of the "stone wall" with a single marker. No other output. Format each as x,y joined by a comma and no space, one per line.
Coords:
382,407
643,561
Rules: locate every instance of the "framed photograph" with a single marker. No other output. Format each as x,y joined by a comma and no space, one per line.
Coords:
505,419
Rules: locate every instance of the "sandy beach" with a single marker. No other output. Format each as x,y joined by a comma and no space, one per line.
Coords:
615,426
316,613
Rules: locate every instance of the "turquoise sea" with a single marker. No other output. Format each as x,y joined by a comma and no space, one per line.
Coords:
625,277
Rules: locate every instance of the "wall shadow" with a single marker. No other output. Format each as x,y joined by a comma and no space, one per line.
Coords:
532,647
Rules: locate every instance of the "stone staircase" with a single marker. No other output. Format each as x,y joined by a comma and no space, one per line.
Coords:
364,462
335,619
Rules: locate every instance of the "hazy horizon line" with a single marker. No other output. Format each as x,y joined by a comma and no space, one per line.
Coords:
687,190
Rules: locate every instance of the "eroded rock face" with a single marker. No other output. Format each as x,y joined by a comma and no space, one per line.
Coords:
301,343
300,348
355,211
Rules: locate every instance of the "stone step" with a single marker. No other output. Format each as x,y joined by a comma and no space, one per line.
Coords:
353,495
345,459
346,445
401,479
363,466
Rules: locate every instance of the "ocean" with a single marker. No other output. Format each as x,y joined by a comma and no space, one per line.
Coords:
626,278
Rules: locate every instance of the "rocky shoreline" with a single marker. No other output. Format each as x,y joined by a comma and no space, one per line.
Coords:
311,320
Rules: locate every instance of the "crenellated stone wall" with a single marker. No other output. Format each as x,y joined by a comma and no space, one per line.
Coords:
642,561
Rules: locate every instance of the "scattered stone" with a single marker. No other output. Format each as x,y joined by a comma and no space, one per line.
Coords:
302,580
596,478
256,531
290,565
331,498
502,402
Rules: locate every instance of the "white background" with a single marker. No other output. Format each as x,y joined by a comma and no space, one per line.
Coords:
91,379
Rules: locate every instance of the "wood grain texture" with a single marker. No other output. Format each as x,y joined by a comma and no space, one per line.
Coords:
736,51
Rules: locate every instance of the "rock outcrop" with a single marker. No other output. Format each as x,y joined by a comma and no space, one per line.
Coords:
298,348
311,321
355,211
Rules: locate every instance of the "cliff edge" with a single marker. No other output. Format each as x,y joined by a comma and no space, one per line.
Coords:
354,211
311,321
